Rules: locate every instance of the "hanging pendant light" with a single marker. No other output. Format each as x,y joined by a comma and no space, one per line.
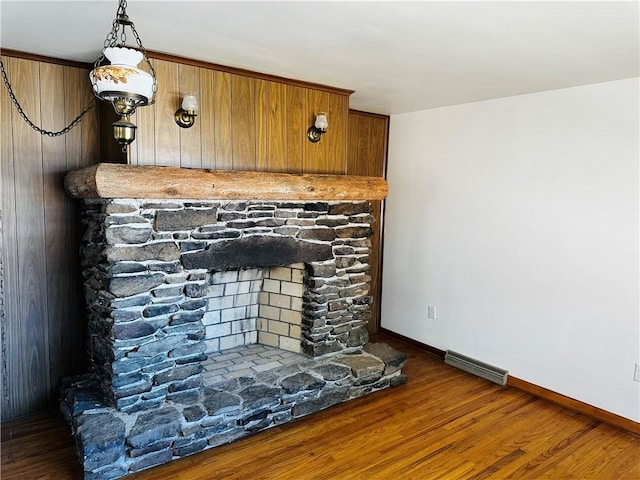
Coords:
120,81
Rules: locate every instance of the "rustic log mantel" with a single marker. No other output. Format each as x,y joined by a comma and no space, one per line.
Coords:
110,180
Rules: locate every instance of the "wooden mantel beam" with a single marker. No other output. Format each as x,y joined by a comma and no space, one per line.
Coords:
111,180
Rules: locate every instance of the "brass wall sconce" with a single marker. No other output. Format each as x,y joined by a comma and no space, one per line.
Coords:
186,116
318,128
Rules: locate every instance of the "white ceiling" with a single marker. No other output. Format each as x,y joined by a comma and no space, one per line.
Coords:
398,56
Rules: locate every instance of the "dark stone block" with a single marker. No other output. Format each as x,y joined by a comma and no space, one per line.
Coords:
195,290
193,304
100,439
154,426
188,449
309,215
322,233
124,220
357,337
230,216
185,397
331,372
261,206
112,208
151,460
217,402
128,267
167,267
290,205
316,206
354,232
253,417
151,349
187,219
241,224
187,350
344,262
393,359
125,331
350,208
193,413
287,230
177,373
186,317
301,382
129,385
256,251
332,222
129,365
154,447
162,251
188,384
138,301
128,286
167,292
125,315
270,222
260,214
326,399
215,235
192,246
110,472
235,206
338,305
317,350
162,205
324,270
365,368
397,380
259,396
157,310
201,357
115,235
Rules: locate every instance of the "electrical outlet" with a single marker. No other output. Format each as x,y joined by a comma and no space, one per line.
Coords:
636,372
431,312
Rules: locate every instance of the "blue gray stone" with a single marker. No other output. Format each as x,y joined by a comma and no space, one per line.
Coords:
154,426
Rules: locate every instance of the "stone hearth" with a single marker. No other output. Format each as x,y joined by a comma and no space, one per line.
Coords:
210,320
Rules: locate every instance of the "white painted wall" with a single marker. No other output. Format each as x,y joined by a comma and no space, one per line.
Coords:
518,218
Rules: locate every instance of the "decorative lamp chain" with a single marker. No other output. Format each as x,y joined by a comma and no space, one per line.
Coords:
41,131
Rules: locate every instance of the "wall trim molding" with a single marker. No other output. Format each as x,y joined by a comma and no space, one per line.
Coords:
540,392
247,73
7,52
187,61
414,343
369,114
576,405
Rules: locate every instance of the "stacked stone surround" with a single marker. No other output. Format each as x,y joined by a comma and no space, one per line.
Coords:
168,282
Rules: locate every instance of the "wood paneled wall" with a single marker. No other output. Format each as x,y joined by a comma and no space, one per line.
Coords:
367,155
42,289
245,123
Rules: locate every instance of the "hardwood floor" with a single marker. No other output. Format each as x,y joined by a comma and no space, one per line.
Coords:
443,424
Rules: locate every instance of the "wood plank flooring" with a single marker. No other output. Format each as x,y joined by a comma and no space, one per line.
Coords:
443,424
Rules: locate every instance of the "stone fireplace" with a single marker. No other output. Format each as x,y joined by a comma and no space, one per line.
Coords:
213,318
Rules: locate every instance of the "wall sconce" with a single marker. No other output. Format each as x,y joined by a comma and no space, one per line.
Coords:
121,82
186,116
318,128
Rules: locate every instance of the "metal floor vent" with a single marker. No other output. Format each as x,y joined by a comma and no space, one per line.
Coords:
476,367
